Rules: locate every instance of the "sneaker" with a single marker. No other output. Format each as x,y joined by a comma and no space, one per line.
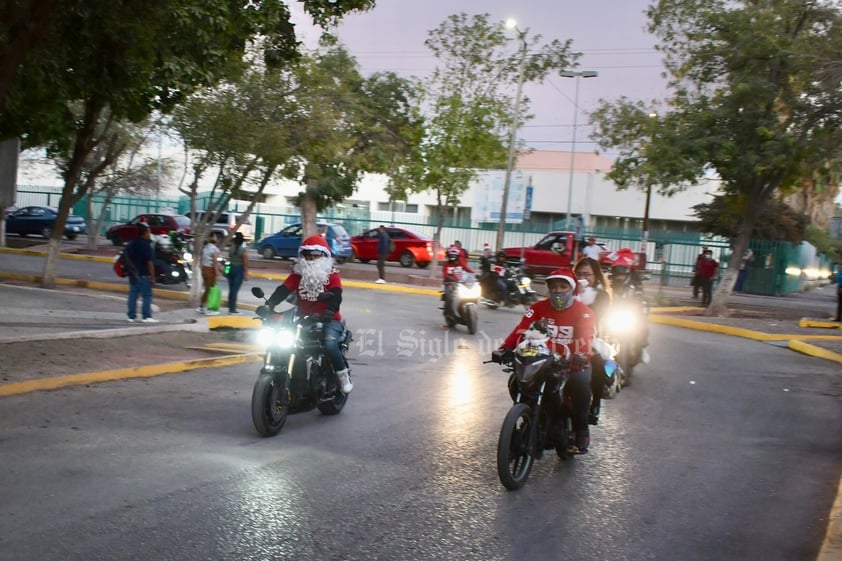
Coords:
581,446
233,311
344,377
644,356
212,313
593,419
200,310
150,320
130,320
379,281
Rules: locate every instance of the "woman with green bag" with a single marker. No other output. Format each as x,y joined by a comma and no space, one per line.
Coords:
212,296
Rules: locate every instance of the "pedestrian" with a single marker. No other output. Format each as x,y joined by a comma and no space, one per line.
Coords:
239,272
592,250
140,260
384,248
695,281
748,257
839,293
707,271
210,268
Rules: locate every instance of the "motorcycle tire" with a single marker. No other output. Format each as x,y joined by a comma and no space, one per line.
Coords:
449,320
626,361
269,404
471,313
562,447
515,449
333,406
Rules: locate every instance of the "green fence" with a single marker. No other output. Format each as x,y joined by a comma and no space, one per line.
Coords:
777,268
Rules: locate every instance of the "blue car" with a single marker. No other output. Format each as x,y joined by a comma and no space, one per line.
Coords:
285,243
40,221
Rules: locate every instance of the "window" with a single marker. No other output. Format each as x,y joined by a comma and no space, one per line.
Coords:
398,206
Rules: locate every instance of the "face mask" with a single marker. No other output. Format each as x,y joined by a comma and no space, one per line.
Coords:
561,300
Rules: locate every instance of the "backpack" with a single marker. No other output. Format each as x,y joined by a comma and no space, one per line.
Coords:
123,267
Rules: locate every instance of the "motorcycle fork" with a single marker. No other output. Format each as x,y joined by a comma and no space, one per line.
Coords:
537,435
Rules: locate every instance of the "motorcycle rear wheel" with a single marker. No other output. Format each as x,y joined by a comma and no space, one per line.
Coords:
269,404
515,449
333,406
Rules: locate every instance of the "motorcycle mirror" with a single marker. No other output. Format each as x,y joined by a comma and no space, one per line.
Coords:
257,291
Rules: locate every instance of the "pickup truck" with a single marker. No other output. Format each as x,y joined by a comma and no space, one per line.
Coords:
554,251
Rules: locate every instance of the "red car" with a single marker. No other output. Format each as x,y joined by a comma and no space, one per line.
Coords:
554,251
410,248
159,224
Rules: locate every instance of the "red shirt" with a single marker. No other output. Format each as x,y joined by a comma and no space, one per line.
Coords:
454,271
312,307
573,328
707,268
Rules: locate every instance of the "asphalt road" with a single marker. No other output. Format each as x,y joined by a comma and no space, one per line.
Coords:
723,449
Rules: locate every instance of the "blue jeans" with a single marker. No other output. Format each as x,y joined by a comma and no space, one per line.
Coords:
235,281
333,334
140,286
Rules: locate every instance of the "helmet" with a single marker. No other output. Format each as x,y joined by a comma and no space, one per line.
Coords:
315,244
563,300
452,254
500,254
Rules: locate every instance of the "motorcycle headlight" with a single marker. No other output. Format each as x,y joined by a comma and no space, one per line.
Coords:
526,282
621,320
187,256
468,292
282,338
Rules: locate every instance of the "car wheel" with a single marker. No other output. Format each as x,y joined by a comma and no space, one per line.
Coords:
116,239
423,264
365,260
406,259
71,236
46,232
268,252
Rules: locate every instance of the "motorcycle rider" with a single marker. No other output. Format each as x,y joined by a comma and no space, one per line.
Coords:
592,293
452,271
570,327
319,291
626,286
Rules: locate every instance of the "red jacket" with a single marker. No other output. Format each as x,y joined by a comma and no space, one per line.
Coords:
573,328
706,268
310,307
452,271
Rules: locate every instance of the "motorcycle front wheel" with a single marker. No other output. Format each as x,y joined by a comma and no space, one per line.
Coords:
515,454
269,404
471,312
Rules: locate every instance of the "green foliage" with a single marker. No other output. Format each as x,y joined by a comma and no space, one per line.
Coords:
777,221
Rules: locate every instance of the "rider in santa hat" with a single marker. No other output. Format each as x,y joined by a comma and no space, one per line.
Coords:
319,290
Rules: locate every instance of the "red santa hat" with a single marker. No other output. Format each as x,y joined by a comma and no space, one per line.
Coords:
564,274
623,257
314,243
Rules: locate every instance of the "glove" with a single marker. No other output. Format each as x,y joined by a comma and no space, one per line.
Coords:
579,362
501,355
263,311
324,297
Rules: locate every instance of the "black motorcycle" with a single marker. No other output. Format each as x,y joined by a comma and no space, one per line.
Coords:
296,375
173,261
460,298
623,328
537,420
518,287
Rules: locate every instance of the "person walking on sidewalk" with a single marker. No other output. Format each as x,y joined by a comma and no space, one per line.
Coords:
239,260
210,268
140,259
384,248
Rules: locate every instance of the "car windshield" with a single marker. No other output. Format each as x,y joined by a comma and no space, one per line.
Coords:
182,221
339,231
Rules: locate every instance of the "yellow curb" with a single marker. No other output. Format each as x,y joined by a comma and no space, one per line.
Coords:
812,350
235,322
715,328
832,547
806,322
673,309
16,388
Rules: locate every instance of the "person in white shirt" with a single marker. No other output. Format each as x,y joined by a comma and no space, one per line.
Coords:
592,250
210,267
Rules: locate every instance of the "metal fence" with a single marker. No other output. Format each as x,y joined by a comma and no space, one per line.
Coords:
777,267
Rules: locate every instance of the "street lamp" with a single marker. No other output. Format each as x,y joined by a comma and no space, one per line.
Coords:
577,75
521,35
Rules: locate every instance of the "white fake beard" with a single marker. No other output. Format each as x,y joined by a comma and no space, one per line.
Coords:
314,276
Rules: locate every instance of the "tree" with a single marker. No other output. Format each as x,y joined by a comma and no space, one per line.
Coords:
753,100
132,58
467,105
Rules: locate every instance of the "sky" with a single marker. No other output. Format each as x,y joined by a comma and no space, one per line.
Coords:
610,34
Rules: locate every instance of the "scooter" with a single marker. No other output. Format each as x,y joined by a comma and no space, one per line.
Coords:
460,302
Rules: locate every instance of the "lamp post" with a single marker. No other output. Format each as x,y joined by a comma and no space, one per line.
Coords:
521,35
577,75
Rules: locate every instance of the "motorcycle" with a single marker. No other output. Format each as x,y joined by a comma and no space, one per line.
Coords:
173,263
460,302
622,328
518,288
536,421
297,375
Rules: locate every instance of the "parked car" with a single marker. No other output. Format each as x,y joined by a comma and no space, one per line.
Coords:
225,224
410,248
159,224
285,244
40,221
555,250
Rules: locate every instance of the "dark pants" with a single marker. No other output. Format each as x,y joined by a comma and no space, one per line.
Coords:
597,382
333,334
235,281
697,283
381,267
707,288
839,305
579,389
741,280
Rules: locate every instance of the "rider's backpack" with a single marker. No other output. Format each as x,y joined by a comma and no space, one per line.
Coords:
123,266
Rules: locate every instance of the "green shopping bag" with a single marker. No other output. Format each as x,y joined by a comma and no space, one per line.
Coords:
214,298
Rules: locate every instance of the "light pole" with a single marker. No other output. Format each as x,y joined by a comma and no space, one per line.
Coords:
521,35
577,75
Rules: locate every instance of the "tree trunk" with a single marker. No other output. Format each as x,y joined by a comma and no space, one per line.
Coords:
719,300
309,211
48,279
434,263
93,239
